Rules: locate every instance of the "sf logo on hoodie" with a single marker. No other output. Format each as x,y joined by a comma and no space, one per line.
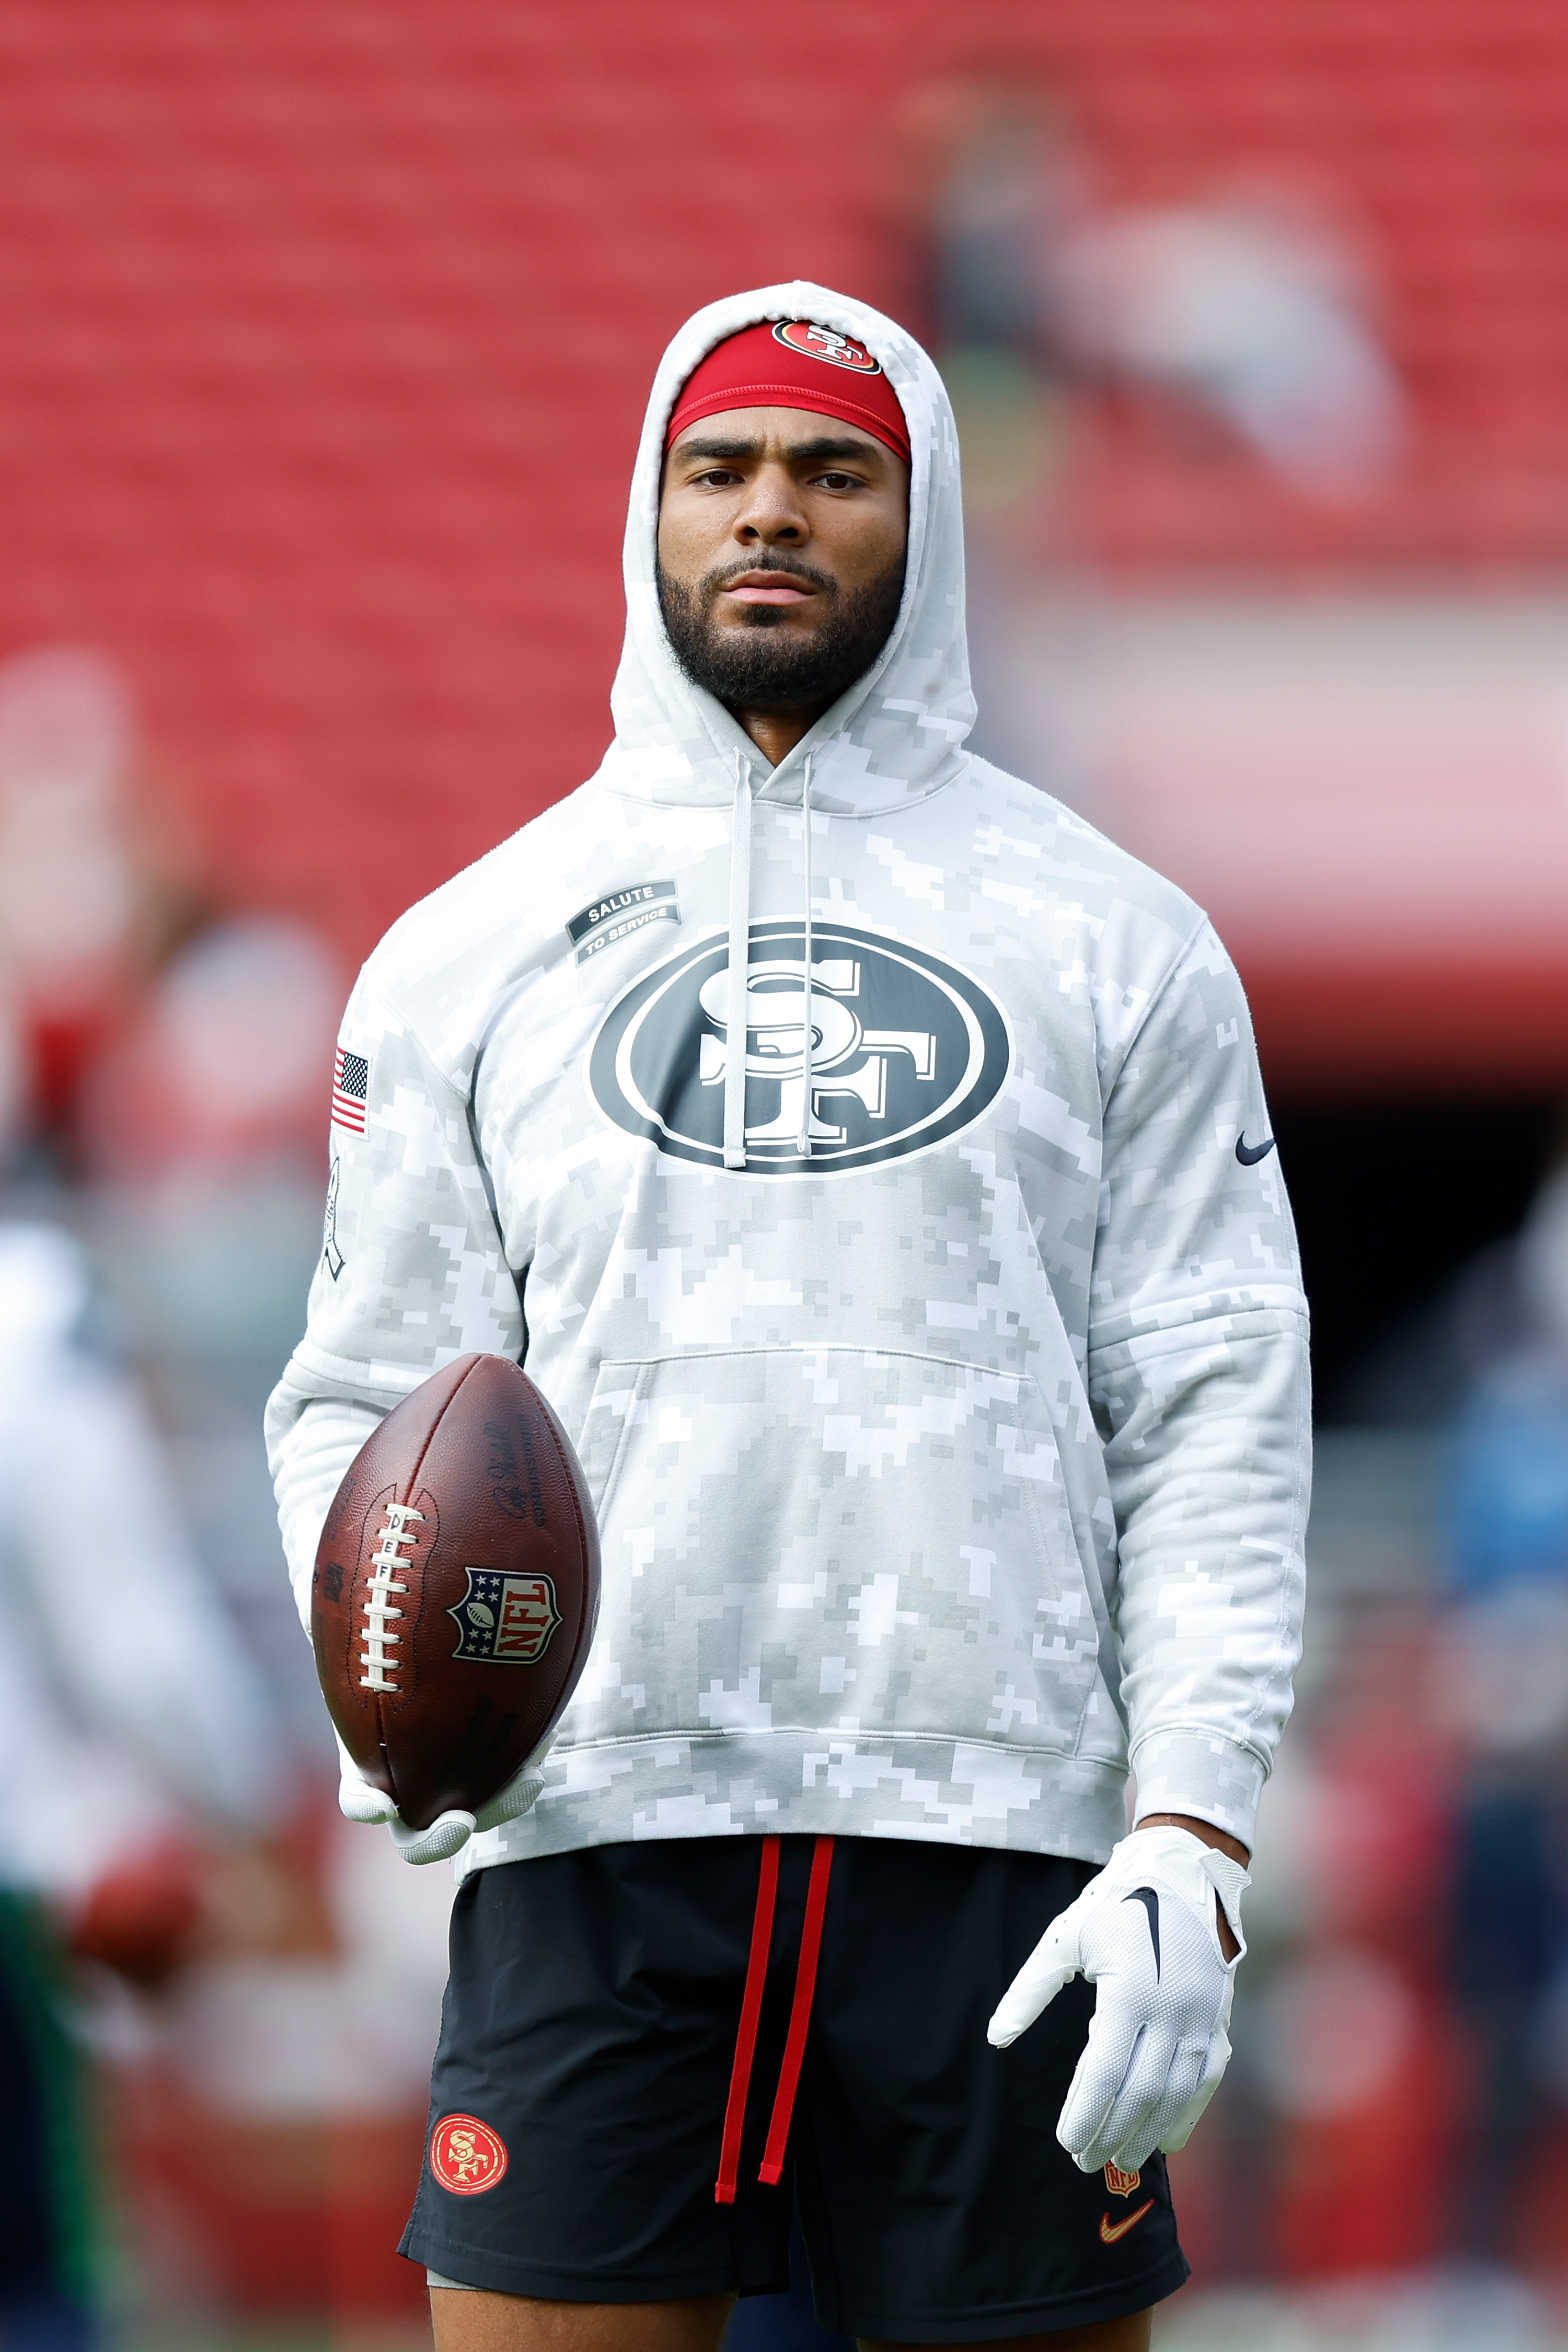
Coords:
905,1051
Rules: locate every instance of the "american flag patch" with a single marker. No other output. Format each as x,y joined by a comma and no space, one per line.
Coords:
351,1077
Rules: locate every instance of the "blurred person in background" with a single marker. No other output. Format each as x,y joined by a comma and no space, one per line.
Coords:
132,1726
1240,312
197,1132
160,1066
208,1083
147,1089
159,1060
96,878
1505,1695
1249,301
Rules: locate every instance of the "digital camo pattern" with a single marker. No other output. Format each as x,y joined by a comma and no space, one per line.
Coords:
933,1485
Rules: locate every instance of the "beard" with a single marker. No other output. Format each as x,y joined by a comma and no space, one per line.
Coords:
764,664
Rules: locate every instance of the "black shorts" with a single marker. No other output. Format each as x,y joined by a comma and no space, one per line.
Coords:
587,2063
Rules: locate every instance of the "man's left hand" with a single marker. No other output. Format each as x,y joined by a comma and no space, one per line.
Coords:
1147,1933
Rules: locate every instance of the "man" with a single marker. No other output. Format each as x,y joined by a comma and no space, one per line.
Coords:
871,1163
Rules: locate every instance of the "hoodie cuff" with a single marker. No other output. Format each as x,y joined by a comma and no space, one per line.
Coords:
1200,1773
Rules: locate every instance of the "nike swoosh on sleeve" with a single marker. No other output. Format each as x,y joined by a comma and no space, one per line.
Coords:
1110,2231
1249,1154
1151,1902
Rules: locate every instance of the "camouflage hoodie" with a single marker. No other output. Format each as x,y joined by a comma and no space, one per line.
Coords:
937,1354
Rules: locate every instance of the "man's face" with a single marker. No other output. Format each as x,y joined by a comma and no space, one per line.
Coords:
780,556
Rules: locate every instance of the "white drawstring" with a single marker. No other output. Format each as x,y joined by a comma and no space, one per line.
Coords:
736,1008
802,1140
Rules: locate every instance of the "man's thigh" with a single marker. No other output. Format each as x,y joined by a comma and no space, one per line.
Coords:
1130,2335
474,2322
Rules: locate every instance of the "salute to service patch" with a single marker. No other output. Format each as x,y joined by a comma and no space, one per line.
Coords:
620,913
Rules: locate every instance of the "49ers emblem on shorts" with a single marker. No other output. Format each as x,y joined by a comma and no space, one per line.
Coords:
824,343
466,2156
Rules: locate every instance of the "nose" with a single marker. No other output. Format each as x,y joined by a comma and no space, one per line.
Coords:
772,515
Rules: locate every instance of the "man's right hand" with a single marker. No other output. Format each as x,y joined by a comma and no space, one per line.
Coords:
447,1836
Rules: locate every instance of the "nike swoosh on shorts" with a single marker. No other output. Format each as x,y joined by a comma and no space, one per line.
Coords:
1110,2231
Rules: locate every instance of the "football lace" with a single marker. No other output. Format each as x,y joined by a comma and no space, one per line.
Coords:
385,1563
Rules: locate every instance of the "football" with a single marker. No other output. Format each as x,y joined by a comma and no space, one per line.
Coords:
456,1589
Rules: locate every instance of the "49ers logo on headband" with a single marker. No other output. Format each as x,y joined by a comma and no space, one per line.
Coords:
824,343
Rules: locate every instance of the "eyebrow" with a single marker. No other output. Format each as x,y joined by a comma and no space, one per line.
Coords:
798,452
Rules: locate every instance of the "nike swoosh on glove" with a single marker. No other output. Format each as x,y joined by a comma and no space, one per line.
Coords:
450,1832
1146,1934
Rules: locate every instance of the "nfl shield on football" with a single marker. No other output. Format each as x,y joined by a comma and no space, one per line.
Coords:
456,1589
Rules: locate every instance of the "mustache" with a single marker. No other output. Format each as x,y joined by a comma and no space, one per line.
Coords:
719,579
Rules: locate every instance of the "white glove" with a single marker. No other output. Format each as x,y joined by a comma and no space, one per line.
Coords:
1146,1932
450,1832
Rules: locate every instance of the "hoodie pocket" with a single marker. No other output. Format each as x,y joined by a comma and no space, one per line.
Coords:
832,1539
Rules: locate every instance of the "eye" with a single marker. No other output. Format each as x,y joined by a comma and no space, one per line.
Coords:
717,478
837,482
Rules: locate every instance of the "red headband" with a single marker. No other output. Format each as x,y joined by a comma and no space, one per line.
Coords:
790,364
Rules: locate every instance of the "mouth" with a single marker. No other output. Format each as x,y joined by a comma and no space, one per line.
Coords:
768,588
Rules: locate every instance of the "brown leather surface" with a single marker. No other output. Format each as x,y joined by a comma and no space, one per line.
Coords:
476,1449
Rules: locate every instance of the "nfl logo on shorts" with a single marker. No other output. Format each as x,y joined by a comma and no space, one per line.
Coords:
506,1621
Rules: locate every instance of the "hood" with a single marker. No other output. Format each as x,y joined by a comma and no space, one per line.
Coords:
898,732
